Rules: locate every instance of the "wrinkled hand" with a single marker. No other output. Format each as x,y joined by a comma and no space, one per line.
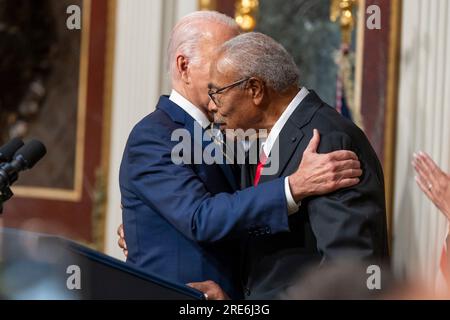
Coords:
319,174
121,242
210,289
434,182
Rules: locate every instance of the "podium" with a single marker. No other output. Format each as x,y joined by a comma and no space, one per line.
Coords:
38,266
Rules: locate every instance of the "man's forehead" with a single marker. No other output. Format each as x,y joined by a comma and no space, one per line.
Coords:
213,74
213,37
223,64
214,80
216,77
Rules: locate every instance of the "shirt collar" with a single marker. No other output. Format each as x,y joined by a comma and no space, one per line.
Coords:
190,109
281,122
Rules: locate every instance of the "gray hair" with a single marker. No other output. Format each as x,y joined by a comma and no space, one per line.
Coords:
189,31
258,55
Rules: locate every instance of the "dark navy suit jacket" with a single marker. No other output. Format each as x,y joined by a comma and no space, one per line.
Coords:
347,224
184,222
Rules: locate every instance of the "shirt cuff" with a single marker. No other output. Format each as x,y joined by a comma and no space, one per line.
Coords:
291,204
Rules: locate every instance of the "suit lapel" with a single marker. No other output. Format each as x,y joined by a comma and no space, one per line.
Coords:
197,133
291,135
175,112
283,149
226,168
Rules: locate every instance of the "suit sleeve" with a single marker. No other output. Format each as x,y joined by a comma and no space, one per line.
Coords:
350,222
180,196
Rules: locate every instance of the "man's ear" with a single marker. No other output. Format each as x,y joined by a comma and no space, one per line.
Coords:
183,68
256,87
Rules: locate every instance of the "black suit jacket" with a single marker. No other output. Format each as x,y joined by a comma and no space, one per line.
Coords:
349,223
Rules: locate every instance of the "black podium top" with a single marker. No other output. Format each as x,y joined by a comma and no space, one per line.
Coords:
38,266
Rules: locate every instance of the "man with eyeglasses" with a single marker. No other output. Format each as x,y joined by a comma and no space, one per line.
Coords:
346,224
186,221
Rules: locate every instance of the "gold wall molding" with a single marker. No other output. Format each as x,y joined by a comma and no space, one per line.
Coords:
100,205
72,195
207,4
391,110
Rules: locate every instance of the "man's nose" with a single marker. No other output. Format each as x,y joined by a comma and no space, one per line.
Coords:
212,106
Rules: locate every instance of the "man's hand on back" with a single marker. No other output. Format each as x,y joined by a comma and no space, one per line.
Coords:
319,174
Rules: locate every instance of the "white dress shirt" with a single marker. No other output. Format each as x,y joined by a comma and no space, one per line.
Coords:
203,120
190,109
273,136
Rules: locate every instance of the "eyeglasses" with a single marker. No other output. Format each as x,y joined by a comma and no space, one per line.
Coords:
212,93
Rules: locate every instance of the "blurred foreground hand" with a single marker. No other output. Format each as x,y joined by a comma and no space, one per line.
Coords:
210,289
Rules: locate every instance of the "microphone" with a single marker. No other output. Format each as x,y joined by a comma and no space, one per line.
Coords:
8,150
25,158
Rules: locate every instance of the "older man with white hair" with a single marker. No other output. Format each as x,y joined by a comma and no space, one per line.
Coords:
185,222
346,224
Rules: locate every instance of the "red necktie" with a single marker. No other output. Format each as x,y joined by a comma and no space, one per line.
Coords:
259,168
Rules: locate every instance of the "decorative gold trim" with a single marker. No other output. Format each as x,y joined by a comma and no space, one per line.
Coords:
343,10
347,14
246,12
207,4
46,193
73,195
391,109
99,225
82,105
359,60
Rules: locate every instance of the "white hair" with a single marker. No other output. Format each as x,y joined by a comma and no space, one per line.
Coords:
189,32
258,55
